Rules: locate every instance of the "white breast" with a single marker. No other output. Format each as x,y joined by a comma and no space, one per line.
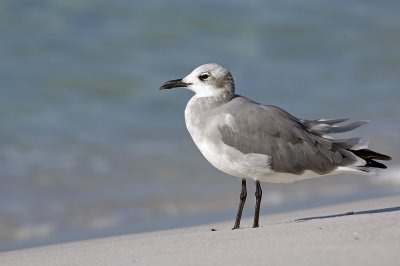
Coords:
225,158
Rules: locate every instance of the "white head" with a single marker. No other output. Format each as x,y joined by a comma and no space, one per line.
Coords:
207,80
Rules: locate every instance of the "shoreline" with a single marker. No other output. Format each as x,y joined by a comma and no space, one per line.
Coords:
357,233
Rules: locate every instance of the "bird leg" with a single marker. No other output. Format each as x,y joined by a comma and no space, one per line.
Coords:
258,195
243,195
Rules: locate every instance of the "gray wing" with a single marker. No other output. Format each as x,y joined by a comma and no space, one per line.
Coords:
294,145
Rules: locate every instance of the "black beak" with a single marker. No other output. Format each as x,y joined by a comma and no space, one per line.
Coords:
176,83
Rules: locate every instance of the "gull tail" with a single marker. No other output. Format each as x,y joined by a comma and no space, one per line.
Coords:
362,159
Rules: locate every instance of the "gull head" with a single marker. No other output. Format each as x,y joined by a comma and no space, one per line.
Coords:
207,80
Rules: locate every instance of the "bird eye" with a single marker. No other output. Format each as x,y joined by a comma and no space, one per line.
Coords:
204,76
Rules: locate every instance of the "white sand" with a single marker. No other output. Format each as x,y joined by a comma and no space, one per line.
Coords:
369,237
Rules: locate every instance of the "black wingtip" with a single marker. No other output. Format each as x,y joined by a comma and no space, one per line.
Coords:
375,164
370,156
367,154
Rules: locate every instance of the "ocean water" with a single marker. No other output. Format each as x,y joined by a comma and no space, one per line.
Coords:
90,147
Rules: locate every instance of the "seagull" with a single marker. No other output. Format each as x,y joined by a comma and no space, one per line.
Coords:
265,143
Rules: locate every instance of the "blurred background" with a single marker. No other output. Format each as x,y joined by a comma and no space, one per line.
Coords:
90,147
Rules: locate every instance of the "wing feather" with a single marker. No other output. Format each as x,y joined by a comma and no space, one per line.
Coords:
294,145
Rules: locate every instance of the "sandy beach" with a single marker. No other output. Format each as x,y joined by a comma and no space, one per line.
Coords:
357,233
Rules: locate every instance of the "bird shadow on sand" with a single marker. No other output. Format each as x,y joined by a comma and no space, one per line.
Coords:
392,209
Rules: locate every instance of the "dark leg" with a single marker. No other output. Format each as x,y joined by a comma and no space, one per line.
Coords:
258,195
243,195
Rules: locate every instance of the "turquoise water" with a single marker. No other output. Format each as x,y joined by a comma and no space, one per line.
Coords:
89,146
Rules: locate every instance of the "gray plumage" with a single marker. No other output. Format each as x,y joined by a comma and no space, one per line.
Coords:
264,142
294,146
218,119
